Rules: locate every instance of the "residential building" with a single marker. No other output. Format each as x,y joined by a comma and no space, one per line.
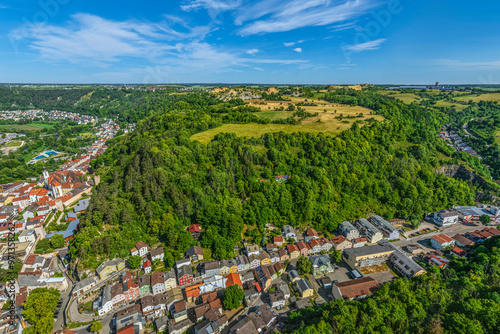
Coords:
157,282
458,251
252,250
195,231
144,284
340,243
170,279
117,295
359,242
349,231
274,257
157,254
441,241
278,241
304,248
277,299
369,231
254,261
354,289
83,286
211,268
405,265
304,288
311,234
180,311
389,231
184,272
147,265
289,232
265,259
321,264
195,254
140,249
316,246
293,250
293,276
107,268
106,302
446,217
367,256
283,254
224,268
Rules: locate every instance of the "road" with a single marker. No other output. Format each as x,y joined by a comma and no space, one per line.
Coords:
465,129
449,231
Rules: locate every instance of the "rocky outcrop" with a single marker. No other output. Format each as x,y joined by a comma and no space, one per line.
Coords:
462,173
488,190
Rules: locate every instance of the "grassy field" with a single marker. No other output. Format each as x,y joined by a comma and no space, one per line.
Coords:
15,143
482,97
324,122
447,104
25,127
405,97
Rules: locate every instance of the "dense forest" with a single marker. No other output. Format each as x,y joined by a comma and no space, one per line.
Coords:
157,181
132,105
463,298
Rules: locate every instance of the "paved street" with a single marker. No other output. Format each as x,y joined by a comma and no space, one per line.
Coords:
422,240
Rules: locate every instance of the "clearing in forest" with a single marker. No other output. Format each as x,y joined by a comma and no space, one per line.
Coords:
329,122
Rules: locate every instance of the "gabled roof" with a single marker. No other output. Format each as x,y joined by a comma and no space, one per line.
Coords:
233,279
357,287
442,238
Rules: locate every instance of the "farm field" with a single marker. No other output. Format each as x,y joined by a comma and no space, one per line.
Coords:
482,97
447,104
325,121
25,127
405,97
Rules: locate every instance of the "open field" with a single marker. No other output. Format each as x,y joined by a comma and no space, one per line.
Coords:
15,143
25,127
325,121
482,97
405,97
447,104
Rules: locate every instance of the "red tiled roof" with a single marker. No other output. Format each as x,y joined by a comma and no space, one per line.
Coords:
442,238
311,232
233,279
357,287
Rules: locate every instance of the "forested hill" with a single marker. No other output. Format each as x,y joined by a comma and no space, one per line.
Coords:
463,298
132,105
157,181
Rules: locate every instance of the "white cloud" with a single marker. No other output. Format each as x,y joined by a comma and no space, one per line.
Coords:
217,5
298,50
213,7
289,44
90,40
371,45
341,27
2,6
268,16
458,64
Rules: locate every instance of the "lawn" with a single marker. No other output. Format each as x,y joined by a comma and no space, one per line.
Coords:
325,122
15,143
25,127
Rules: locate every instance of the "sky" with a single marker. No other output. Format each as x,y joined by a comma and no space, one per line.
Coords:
250,41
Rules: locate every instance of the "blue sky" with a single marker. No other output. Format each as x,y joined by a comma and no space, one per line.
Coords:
250,41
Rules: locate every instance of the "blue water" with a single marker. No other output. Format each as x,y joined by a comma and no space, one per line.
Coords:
46,154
